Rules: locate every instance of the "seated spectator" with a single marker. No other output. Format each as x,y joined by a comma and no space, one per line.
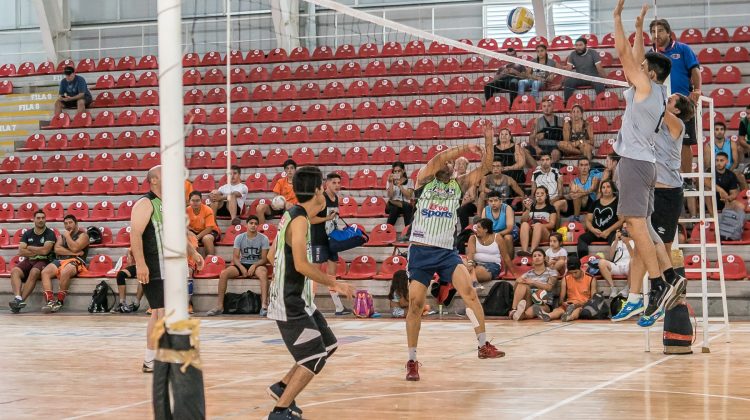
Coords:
74,93
127,272
557,256
71,250
586,61
610,164
283,188
249,259
545,136
540,277
742,135
510,155
398,295
37,249
506,79
576,289
202,223
537,79
582,193
578,135
602,223
400,191
548,177
723,144
229,199
539,219
188,191
727,187
486,254
618,264
502,217
506,187
460,167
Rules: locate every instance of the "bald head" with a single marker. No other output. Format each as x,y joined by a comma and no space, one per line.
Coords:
154,179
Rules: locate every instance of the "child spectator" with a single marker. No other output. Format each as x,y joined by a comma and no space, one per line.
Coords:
538,220
576,289
556,254
502,217
486,253
618,263
398,296
540,277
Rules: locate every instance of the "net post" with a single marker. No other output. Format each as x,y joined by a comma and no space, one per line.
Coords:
228,6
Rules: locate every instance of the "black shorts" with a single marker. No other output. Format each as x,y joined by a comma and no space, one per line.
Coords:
668,204
322,253
154,291
689,139
74,104
224,210
308,338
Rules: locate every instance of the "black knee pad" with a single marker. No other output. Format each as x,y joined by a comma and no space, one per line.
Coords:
121,276
316,364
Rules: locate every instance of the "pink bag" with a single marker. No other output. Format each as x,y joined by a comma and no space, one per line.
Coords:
363,306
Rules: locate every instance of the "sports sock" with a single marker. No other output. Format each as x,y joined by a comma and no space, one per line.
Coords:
149,356
670,275
413,353
278,409
336,300
634,297
482,338
18,297
48,295
61,295
656,282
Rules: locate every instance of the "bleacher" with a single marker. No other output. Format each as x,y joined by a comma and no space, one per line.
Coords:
344,109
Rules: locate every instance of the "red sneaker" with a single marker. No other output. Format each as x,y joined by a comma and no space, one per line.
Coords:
488,351
412,370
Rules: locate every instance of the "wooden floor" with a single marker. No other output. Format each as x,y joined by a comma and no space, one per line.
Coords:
84,366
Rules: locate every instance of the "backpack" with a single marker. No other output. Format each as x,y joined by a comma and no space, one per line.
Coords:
242,303
95,235
462,239
616,304
593,266
499,300
595,308
100,298
730,224
363,305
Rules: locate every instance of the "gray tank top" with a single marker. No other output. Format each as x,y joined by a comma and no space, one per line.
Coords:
639,122
668,157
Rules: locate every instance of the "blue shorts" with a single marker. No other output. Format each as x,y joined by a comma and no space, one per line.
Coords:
492,268
425,261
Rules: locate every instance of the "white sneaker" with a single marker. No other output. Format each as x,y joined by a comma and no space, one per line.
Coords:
519,310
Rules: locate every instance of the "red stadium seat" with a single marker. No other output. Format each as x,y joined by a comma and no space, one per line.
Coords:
364,179
348,133
150,160
103,100
32,163
408,86
358,88
7,70
216,96
304,156
394,108
382,87
368,50
426,130
434,85
473,64
193,97
390,266
35,142
212,58
345,51
580,99
262,92
456,129
375,68
217,116
415,47
734,268
60,142
127,185
347,207
606,100
606,148
268,114
81,120
126,118
524,103
6,87
124,210
269,230
691,36
54,211
79,209
333,90
26,211
9,186
599,123
102,162
26,69
329,70
400,67
195,116
149,97
444,106
298,134
103,185
497,105
392,49
105,119
322,52
258,74
561,42
330,156
411,154
147,62
125,80
741,34
56,163
190,60
737,54
361,268
417,108
213,77
722,97
122,239
238,75
513,124
709,56
61,120
382,235
281,72
717,36
309,91
200,160
459,84
52,186
323,133
257,182
537,40
383,155
616,75
68,63
366,109
276,157
342,110
694,262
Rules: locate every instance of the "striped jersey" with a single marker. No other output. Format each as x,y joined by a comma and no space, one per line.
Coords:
435,216
290,293
153,250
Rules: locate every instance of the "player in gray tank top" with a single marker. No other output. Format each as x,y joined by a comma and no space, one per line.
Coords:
636,138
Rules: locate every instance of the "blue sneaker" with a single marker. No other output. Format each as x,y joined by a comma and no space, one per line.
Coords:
646,321
629,310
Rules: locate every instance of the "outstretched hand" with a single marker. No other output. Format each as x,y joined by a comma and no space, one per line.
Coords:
489,130
618,9
641,17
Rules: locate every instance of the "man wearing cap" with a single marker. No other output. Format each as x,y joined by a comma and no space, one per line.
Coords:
74,93
506,79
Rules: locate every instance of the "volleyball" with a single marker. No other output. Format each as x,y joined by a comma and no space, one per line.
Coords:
520,20
278,202
539,296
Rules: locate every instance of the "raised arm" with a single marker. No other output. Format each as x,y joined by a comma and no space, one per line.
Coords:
630,67
475,177
639,49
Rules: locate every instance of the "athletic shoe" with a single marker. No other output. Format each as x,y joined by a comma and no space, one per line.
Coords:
16,305
263,312
345,311
647,321
148,311
568,313
519,311
148,367
488,351
57,306
274,391
412,370
666,296
679,287
449,299
629,310
688,185
122,308
134,307
287,414
215,311
574,219
539,313
523,253
47,308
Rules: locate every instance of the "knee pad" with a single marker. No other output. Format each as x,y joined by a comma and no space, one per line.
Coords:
121,276
316,364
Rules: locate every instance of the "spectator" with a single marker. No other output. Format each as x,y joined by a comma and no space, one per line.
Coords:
685,78
586,61
548,177
510,155
71,250
602,223
229,199
36,247
540,277
618,264
398,295
610,164
202,223
557,256
74,93
537,222
188,190
283,188
322,225
727,186
506,79
249,259
400,190
742,135
506,187
486,253
123,273
583,191
502,217
578,135
537,79
576,289
545,136
729,147
460,167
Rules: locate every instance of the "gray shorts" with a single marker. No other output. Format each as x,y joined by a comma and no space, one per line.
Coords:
636,180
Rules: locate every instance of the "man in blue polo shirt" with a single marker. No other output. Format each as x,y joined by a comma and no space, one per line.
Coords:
685,79
74,93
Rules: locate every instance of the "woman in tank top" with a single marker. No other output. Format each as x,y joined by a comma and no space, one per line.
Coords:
486,253
602,222
578,135
506,186
511,156
539,219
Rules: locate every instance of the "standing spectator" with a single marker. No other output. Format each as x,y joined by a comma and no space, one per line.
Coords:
283,188
729,147
540,277
576,289
539,219
400,190
510,155
506,187
586,61
537,79
249,259
548,177
618,264
321,225
36,247
486,253
503,219
602,222
74,93
578,135
557,256
202,223
727,186
71,250
545,136
685,78
583,191
506,79
742,135
229,199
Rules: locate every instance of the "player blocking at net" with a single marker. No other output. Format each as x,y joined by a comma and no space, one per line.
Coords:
303,328
432,235
637,173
